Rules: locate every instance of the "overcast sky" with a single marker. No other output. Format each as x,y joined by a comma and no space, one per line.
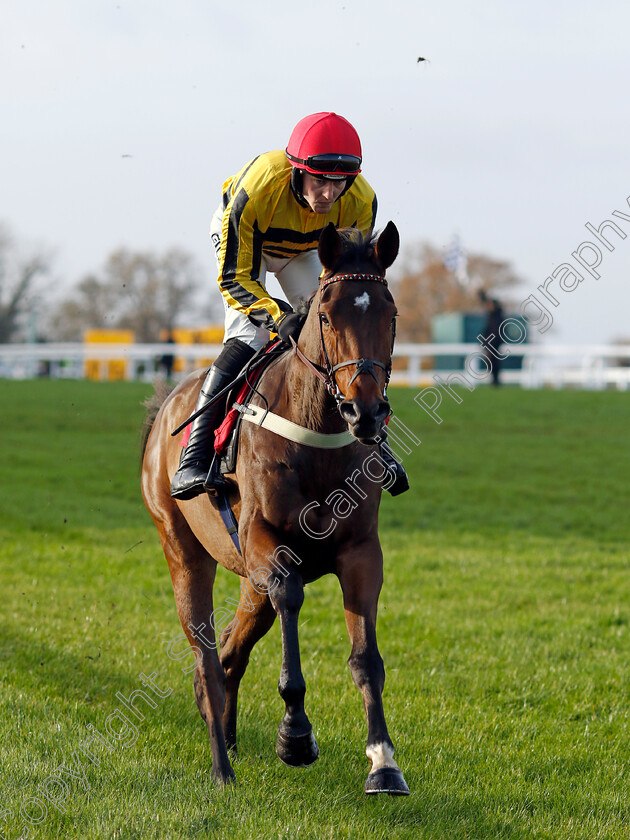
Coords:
120,120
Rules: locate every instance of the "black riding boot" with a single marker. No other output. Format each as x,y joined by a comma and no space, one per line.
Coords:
401,482
196,458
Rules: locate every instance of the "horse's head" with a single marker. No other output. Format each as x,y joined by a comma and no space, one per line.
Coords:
356,315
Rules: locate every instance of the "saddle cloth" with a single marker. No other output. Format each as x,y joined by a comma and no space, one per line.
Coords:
223,434
227,435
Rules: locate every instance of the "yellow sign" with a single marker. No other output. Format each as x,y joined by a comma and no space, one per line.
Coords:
211,334
110,369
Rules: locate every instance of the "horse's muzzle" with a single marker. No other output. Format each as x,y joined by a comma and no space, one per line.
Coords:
364,421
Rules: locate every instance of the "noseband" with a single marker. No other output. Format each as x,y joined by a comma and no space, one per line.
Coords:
362,365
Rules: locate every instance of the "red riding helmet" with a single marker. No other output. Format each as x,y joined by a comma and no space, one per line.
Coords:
325,144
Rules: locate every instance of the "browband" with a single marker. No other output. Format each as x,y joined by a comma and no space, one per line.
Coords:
376,277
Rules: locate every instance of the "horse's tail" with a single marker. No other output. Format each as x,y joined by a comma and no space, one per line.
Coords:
153,405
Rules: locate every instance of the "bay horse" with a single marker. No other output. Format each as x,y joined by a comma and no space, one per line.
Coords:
333,384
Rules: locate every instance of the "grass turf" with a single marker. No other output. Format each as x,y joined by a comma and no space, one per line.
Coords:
503,623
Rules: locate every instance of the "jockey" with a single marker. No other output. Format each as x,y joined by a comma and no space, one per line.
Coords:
270,218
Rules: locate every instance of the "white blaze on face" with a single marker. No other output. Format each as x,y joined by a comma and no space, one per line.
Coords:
363,301
381,755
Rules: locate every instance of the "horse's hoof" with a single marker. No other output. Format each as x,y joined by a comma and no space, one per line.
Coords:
387,780
297,750
223,780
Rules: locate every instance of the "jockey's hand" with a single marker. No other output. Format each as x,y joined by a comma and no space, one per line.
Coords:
289,325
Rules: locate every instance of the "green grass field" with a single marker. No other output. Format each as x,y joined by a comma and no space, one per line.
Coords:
504,625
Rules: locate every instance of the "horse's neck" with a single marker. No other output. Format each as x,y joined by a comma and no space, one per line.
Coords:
310,404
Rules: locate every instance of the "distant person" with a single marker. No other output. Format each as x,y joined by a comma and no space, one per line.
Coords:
270,218
168,359
491,334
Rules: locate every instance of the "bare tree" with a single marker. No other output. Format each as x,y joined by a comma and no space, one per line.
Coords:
18,273
426,288
143,292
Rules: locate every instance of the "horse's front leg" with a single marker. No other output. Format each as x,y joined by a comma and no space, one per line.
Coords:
296,744
275,566
360,573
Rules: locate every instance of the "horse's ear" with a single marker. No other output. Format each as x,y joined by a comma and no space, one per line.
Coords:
387,245
329,246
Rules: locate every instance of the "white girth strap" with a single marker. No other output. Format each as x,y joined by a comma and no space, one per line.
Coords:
291,431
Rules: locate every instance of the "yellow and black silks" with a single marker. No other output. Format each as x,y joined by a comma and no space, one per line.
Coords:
263,216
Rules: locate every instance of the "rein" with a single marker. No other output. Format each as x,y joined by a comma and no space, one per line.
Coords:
362,365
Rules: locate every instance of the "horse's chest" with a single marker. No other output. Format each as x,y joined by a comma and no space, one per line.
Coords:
316,511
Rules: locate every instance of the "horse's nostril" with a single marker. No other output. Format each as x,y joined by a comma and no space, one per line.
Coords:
348,411
382,411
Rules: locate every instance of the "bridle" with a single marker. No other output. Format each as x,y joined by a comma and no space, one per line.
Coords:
327,376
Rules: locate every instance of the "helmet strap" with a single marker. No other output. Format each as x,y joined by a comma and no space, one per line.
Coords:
296,186
349,183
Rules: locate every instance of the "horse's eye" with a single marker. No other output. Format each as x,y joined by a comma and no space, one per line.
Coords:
324,319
